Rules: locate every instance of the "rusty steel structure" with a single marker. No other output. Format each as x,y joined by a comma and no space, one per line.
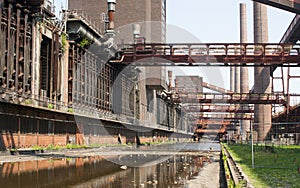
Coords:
15,49
218,108
65,81
216,88
288,5
244,55
57,88
214,54
234,98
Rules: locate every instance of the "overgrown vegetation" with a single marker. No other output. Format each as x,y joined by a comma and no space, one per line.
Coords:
229,179
85,43
68,146
63,42
275,166
28,101
71,110
50,106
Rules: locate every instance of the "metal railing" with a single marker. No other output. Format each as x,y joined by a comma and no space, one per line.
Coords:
235,98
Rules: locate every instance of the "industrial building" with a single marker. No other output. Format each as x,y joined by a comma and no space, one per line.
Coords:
76,81
151,15
55,89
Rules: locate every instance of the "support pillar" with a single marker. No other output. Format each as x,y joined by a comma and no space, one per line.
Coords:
262,84
232,78
244,76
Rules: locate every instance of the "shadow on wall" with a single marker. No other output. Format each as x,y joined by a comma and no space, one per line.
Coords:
7,141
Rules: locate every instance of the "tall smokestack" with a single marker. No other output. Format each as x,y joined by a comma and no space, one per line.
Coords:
245,124
262,84
111,14
232,78
170,75
237,79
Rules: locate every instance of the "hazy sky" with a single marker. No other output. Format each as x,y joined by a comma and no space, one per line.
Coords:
218,20
215,21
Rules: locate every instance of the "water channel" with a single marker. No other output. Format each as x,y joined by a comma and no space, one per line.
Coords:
138,170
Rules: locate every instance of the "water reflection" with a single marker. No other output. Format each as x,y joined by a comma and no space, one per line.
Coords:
176,171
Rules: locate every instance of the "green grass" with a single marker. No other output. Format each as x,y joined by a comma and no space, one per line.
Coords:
277,167
68,146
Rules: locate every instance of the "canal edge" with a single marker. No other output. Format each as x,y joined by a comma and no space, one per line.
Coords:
234,176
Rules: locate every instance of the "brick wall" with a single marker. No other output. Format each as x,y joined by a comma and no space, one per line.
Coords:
127,12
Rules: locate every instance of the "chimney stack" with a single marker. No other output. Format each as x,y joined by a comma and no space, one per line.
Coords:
111,15
136,30
170,75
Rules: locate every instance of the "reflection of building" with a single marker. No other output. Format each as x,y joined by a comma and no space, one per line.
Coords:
103,172
129,12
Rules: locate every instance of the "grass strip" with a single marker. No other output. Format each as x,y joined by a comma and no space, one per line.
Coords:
275,166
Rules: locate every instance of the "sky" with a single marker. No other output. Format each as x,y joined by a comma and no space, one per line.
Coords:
214,21
218,20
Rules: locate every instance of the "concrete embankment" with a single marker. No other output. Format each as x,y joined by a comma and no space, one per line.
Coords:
234,175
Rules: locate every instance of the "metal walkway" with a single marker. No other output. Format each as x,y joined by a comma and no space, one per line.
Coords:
213,54
235,98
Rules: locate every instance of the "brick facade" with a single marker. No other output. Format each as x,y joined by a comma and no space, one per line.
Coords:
127,13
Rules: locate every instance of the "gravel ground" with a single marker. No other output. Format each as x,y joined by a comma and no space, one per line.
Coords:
209,176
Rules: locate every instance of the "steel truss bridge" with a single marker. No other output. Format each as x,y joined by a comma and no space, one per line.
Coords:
271,55
212,54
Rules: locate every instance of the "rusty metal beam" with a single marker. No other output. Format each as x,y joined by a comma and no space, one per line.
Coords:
215,88
288,5
212,54
225,116
236,98
27,49
213,122
218,108
2,43
8,57
17,48
220,131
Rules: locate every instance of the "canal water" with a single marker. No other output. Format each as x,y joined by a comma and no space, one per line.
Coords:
105,172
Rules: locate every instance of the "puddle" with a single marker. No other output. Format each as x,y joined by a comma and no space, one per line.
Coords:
149,171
